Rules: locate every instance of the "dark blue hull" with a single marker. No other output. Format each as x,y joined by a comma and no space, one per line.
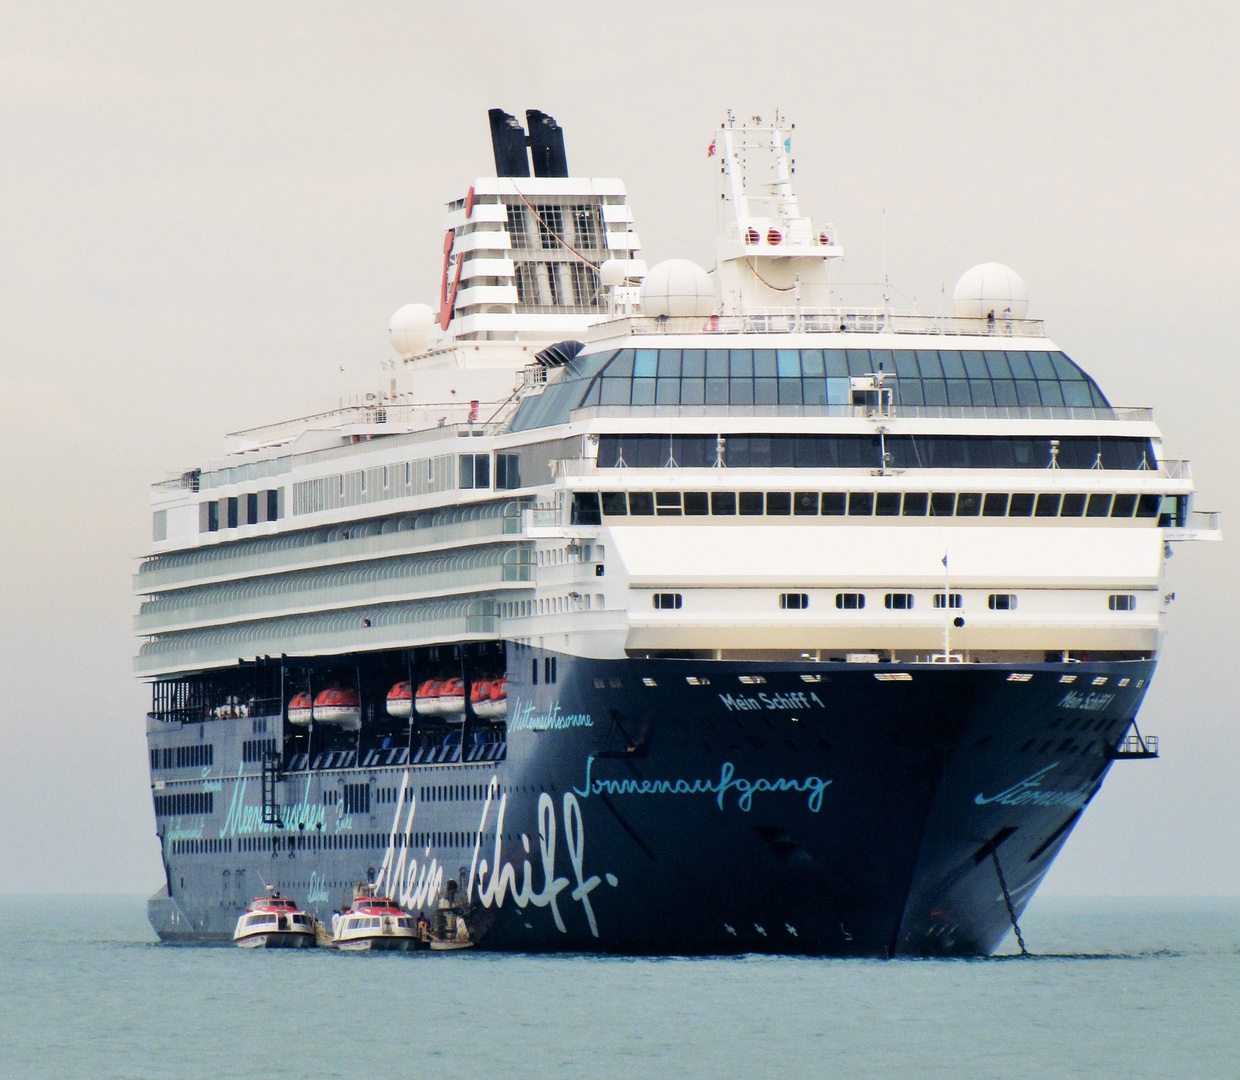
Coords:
690,806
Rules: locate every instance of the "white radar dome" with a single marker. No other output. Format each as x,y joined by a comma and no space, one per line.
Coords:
991,287
408,329
678,288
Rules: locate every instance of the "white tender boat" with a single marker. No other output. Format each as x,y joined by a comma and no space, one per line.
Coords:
375,923
274,922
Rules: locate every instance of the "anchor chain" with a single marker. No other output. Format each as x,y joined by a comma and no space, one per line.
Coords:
1007,899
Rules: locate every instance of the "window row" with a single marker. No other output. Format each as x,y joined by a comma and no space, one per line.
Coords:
590,507
252,750
893,601
237,510
197,755
185,803
874,452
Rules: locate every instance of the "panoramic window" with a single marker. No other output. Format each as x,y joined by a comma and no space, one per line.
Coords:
794,601
1122,602
667,601
899,601
1002,602
850,601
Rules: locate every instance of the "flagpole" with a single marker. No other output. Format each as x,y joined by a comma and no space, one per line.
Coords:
947,611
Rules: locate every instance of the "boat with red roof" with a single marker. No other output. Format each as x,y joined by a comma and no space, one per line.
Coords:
375,923
275,922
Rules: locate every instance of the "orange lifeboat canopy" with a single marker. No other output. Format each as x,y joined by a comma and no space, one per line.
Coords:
400,701
299,709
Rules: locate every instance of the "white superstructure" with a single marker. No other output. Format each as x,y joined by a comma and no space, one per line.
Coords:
774,478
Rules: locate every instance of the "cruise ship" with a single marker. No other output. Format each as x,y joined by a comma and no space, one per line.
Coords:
653,610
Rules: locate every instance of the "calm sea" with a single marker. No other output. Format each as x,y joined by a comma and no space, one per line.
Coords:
1125,989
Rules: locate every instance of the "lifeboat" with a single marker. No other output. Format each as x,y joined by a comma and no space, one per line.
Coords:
274,922
375,923
338,705
400,701
299,709
440,697
488,698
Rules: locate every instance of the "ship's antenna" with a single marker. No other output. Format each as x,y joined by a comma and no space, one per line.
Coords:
885,278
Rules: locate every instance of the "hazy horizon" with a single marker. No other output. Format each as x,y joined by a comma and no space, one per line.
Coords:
209,215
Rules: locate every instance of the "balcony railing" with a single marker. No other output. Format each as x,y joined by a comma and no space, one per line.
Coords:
952,412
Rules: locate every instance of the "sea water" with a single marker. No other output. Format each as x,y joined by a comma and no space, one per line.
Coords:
1116,988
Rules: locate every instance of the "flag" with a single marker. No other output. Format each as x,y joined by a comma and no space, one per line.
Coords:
788,145
944,560
710,150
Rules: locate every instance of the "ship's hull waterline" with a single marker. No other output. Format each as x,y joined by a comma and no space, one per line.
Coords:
685,807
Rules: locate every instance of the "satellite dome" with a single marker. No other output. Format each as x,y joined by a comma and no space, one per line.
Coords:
615,272
677,288
991,287
408,329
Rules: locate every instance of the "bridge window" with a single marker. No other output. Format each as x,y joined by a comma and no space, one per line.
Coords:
696,504
1021,505
860,503
1047,505
615,504
779,503
887,504
968,504
750,503
805,502
833,503
723,503
641,504
994,505
667,503
1073,504
916,503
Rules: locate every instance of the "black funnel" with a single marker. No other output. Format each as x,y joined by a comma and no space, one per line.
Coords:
508,141
546,144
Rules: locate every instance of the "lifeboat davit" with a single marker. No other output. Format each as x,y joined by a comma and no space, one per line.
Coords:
275,922
339,706
488,698
299,709
400,701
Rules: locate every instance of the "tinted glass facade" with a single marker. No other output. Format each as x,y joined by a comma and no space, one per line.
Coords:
934,377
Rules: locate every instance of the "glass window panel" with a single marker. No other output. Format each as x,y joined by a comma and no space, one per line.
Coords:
779,503
860,503
935,391
811,362
788,363
983,392
723,503
592,394
836,362
615,504
887,504
995,504
974,364
641,503
669,363
928,361
621,365
833,503
839,392
814,391
1050,393
742,391
953,365
616,391
1098,400
1066,369
693,363
805,502
716,391
750,503
908,392
790,391
1047,505
916,503
968,504
764,363
643,391
997,365
1073,504
692,391
1123,506
859,362
1021,505
1005,391
1076,394
1027,392
1099,506
958,392
1148,506
668,392
880,360
905,361
1019,363
765,392
646,364
741,363
716,363
942,504
696,504
1042,366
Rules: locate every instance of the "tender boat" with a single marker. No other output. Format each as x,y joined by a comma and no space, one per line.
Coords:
338,705
375,923
299,709
488,698
400,701
274,922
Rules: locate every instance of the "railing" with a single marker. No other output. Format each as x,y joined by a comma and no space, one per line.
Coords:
389,414
1137,746
818,321
187,481
1175,470
953,412
1204,520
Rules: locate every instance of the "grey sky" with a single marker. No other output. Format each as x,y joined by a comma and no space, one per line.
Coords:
205,212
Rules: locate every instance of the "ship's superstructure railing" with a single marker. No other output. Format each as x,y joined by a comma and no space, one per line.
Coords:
817,321
931,412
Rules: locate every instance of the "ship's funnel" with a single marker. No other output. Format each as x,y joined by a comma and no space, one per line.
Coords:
546,144
508,141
